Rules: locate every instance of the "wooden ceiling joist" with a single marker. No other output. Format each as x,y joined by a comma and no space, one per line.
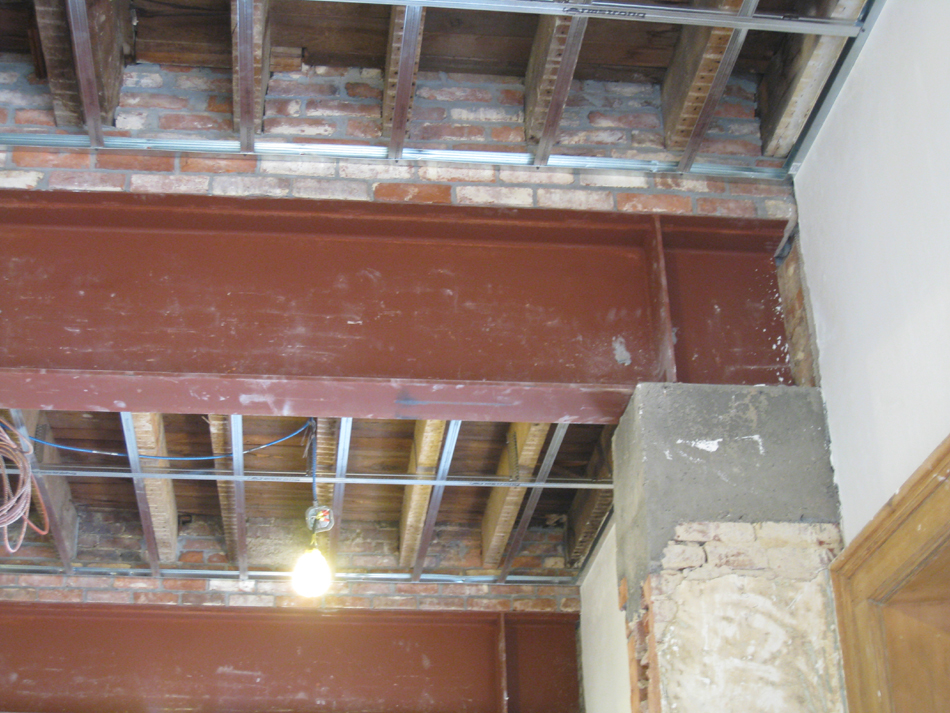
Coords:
224,436
797,74
145,436
423,461
557,45
690,75
256,65
54,491
590,507
91,64
517,462
402,68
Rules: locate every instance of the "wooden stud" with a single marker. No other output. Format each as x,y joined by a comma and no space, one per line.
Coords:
423,461
797,74
230,492
696,59
402,69
54,491
159,492
590,507
525,441
261,61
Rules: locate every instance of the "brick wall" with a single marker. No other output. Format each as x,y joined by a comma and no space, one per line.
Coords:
471,112
739,613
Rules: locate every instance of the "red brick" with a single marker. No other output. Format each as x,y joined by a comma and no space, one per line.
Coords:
86,181
722,206
441,603
413,193
191,585
89,582
735,110
641,203
282,107
359,561
535,605
336,107
573,200
428,113
395,603
36,117
364,128
287,88
511,97
59,595
9,580
371,588
441,132
217,558
604,137
131,162
465,590
760,189
41,580
637,120
299,127
233,164
563,591
4,115
154,183
192,557
18,595
147,100
512,589
137,583
454,94
50,159
571,604
730,147
156,598
251,600
345,602
361,90
219,85
193,122
219,105
202,598
508,134
107,597
417,589
483,604
690,185
737,91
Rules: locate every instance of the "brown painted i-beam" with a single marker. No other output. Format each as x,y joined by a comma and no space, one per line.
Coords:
285,307
81,658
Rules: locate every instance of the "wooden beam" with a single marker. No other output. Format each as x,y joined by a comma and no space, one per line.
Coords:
58,52
590,507
63,520
696,59
423,460
797,74
326,443
402,68
230,492
341,461
517,462
261,45
149,431
554,54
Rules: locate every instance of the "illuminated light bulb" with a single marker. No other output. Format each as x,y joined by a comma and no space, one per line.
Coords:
311,576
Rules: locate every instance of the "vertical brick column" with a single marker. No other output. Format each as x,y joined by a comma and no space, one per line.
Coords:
726,523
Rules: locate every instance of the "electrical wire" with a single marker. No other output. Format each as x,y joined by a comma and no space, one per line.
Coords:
175,458
16,501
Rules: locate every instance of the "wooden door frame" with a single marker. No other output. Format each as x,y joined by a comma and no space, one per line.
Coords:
908,532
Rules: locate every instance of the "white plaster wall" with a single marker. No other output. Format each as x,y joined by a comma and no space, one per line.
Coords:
603,634
874,206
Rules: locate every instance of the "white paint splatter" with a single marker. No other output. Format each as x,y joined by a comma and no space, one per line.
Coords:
620,351
703,445
758,442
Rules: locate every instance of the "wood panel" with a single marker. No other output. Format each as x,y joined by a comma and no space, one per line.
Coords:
908,536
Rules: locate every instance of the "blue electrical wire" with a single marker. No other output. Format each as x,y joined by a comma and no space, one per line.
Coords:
183,458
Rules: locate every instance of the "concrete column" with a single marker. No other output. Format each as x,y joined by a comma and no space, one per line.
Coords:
726,514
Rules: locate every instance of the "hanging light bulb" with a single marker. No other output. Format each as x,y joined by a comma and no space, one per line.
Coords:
312,575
